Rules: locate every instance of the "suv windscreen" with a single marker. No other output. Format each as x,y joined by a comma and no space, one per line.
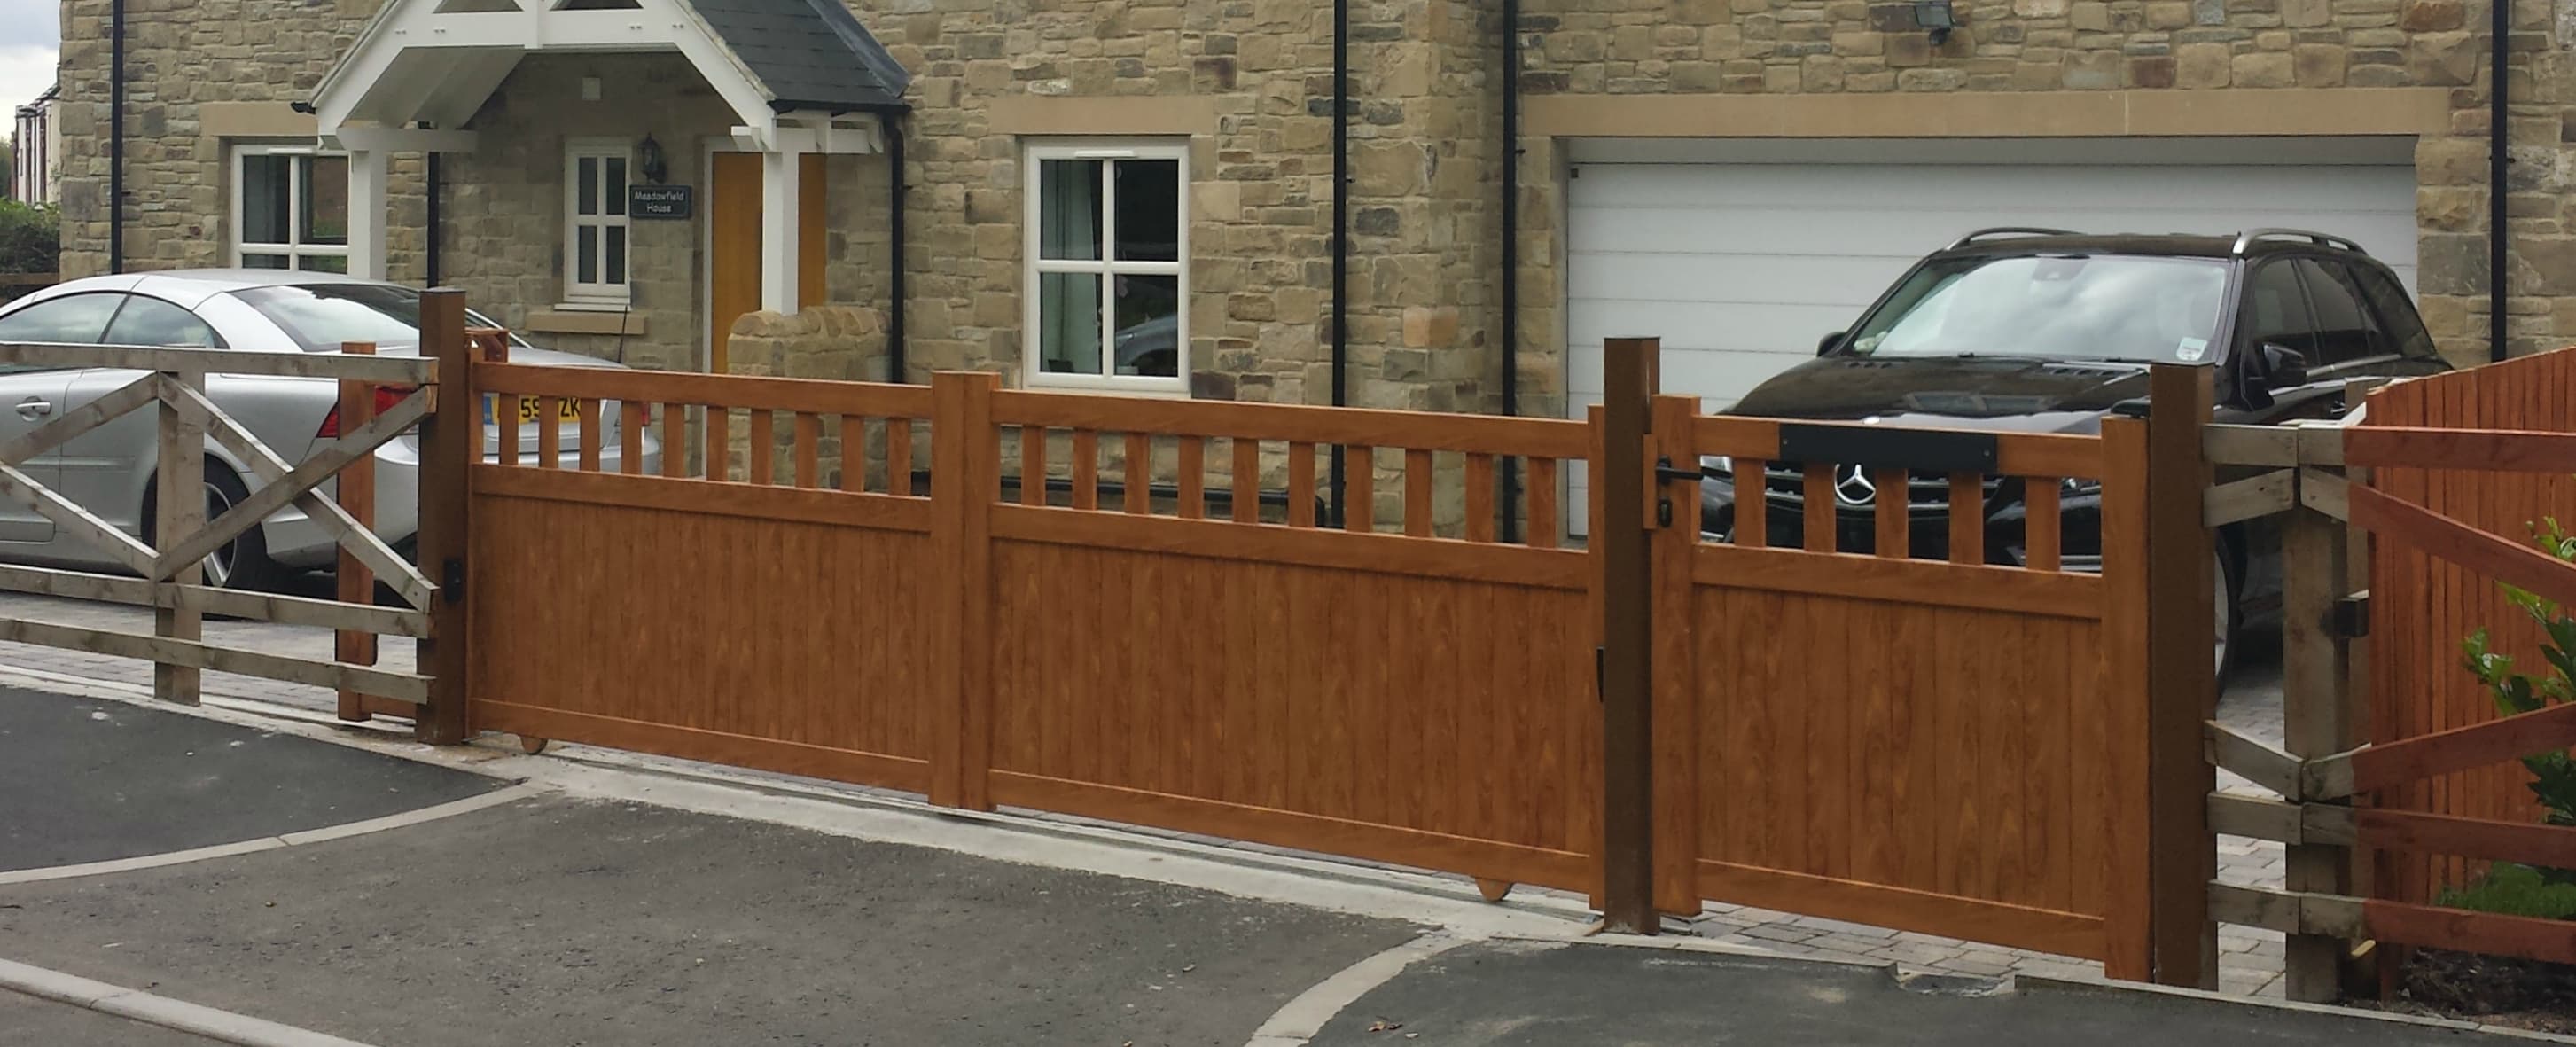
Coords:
2106,307
322,316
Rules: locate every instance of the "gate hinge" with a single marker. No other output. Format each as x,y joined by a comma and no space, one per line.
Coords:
1601,674
2351,617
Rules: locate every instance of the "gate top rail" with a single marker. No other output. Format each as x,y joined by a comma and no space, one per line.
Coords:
2049,455
410,370
751,392
1296,423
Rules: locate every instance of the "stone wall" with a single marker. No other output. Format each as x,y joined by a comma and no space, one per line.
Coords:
182,55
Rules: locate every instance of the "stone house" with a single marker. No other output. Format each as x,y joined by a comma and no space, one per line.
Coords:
1139,195
35,144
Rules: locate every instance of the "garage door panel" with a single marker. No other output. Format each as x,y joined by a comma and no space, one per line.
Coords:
1733,279
1695,326
2072,188
1685,369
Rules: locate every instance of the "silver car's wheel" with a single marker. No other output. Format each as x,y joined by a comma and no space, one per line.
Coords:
241,563
2224,613
219,566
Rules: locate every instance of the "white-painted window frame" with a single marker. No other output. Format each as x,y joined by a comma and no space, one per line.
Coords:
295,250
596,294
1033,153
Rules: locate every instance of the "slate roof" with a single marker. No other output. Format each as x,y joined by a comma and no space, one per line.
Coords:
808,54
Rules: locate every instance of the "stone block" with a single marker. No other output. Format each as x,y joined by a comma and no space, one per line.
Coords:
2262,70
2432,16
2152,72
1430,326
2318,65
2201,65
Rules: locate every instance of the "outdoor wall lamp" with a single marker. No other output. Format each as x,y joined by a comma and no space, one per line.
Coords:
1936,15
650,162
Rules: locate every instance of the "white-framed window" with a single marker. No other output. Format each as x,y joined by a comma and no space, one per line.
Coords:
595,179
1108,248
290,208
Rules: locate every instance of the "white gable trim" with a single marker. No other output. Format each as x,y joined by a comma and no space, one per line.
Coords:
414,63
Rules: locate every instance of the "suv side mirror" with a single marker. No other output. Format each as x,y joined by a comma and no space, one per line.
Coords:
2283,366
1827,343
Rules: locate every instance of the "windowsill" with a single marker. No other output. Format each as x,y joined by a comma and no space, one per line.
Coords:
1048,382
586,319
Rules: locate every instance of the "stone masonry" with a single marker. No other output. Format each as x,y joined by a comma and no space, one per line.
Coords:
1423,295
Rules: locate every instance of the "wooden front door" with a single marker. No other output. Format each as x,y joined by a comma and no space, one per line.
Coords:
733,247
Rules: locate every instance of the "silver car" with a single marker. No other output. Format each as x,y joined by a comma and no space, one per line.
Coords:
109,470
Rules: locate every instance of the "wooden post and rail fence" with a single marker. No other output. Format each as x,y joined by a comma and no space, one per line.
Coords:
1908,711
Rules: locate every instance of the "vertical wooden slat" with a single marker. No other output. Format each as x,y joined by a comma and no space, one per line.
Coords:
630,438
1359,497
2316,723
965,479
675,435
586,410
1893,513
1967,519
1086,469
1752,503
718,454
1033,465
1417,493
763,453
505,418
1480,498
1301,484
1620,486
1138,477
809,454
1543,513
1674,721
356,494
899,455
1819,523
549,432
1243,483
1193,477
2041,550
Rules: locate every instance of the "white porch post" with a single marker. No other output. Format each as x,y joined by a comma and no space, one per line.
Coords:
780,209
367,214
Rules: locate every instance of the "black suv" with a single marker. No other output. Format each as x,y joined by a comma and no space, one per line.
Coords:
2044,330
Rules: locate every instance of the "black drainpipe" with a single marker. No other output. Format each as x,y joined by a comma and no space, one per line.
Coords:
894,228
1341,230
2499,140
116,137
1511,297
429,245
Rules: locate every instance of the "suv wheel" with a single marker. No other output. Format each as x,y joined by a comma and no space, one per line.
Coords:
2225,612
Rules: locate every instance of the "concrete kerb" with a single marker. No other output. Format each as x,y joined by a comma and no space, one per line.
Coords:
269,843
136,1005
2043,983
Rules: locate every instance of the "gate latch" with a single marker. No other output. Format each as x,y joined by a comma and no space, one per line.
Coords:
1666,472
451,581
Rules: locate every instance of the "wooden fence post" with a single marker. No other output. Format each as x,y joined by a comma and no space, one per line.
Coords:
1627,638
965,480
2128,919
179,506
451,443
2182,677
2317,719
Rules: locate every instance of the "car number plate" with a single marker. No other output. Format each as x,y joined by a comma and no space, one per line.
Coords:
531,408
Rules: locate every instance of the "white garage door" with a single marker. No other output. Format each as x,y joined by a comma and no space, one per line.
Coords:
1741,266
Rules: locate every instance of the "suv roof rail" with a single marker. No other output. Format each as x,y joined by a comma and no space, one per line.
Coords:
2247,239
2009,230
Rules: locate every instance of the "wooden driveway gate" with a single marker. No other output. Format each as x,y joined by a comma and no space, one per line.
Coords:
1145,611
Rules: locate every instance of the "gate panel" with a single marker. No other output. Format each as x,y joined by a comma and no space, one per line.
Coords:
1954,748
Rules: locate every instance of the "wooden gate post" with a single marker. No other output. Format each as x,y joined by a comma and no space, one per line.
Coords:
356,493
1673,520
2182,678
2318,717
1627,638
965,480
451,442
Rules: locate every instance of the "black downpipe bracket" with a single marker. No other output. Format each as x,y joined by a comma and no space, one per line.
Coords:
895,287
1341,233
116,137
2499,143
1510,495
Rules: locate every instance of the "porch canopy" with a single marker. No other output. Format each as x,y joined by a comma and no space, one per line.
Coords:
802,76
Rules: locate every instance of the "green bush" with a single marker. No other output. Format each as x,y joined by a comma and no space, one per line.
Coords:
30,237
